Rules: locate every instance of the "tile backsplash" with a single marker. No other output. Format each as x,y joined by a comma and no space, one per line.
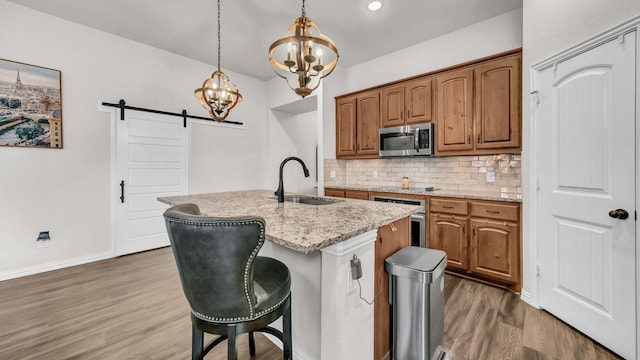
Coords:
456,173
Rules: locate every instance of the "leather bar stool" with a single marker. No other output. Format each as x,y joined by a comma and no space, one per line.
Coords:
231,290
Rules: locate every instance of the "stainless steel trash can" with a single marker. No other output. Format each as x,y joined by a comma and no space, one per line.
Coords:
416,293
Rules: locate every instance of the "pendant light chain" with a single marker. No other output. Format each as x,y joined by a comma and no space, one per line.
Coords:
218,35
304,13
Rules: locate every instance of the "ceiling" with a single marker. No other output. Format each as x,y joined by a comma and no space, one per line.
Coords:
189,27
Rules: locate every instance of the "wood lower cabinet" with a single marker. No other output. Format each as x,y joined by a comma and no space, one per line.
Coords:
356,194
391,238
357,124
494,249
334,192
449,234
481,238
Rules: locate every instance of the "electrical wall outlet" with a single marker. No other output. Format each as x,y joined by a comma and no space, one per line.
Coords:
375,173
43,239
491,176
332,173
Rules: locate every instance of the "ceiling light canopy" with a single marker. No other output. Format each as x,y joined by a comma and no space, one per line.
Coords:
218,94
374,5
303,56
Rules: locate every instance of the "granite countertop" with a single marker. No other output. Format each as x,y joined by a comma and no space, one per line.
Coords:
300,227
436,192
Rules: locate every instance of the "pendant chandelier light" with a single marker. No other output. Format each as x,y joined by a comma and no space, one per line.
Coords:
303,56
218,94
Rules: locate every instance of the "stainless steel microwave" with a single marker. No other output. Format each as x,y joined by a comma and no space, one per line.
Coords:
409,140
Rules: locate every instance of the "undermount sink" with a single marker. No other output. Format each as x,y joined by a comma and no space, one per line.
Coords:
310,200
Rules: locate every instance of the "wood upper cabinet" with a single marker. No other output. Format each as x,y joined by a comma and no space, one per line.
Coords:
391,238
357,124
392,107
478,108
368,122
497,119
408,102
346,126
454,110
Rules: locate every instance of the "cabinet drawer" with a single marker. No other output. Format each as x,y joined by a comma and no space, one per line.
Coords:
495,210
334,192
448,206
356,194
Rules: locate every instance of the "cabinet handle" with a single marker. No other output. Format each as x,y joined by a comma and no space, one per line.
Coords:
464,228
402,115
408,114
474,230
122,191
469,140
493,211
478,138
447,207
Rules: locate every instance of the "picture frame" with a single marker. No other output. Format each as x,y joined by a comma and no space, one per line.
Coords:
30,106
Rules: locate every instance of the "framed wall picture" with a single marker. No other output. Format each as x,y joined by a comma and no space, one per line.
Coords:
30,106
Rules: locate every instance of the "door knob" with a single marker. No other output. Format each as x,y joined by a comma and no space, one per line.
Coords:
619,214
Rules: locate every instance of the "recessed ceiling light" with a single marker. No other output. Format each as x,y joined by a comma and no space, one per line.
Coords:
374,5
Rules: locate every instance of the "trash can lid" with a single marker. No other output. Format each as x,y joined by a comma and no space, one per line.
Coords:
416,262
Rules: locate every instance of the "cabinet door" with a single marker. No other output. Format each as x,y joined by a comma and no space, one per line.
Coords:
391,238
449,234
392,106
497,104
368,122
495,249
454,108
418,101
346,126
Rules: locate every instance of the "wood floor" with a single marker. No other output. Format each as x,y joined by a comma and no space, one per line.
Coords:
133,308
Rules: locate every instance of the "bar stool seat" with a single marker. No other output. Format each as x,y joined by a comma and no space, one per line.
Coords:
231,290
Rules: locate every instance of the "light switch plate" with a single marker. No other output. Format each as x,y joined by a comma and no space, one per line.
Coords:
333,174
375,173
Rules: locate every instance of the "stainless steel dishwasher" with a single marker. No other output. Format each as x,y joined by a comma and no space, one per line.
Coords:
418,221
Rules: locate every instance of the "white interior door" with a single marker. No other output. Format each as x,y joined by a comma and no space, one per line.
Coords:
152,160
586,152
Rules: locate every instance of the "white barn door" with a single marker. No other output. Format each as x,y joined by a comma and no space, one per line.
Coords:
152,160
586,155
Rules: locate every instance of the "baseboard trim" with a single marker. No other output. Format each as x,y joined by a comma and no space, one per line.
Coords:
36,269
526,297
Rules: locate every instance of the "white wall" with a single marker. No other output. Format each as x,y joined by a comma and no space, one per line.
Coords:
500,33
68,191
550,27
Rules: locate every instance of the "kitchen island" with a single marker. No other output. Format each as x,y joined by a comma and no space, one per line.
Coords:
317,242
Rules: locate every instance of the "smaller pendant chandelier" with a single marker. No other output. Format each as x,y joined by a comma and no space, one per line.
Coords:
302,52
218,94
